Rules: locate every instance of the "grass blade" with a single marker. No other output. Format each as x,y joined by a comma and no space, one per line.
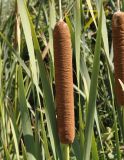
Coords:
25,118
77,36
28,37
92,95
91,11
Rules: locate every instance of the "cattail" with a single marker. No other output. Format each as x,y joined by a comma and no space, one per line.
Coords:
118,46
64,82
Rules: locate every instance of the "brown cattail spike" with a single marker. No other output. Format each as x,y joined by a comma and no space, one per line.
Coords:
118,46
64,82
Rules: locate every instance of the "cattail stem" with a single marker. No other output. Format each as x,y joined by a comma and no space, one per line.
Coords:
66,152
60,9
17,29
123,122
118,5
120,112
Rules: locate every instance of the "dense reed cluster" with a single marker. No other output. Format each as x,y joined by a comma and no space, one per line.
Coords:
65,111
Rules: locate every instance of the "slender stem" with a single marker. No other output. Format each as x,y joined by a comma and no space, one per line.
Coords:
66,152
116,134
123,121
60,9
118,5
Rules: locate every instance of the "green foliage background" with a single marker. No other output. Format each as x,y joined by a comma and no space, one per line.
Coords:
27,87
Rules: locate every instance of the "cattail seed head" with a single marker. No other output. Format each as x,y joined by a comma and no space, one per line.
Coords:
64,82
118,46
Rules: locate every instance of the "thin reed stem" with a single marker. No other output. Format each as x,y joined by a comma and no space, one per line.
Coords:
118,5
66,152
60,9
123,122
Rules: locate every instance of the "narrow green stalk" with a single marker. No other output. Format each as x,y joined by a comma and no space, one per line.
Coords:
115,121
81,127
116,136
93,93
116,130
66,152
123,121
118,5
60,9
77,15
